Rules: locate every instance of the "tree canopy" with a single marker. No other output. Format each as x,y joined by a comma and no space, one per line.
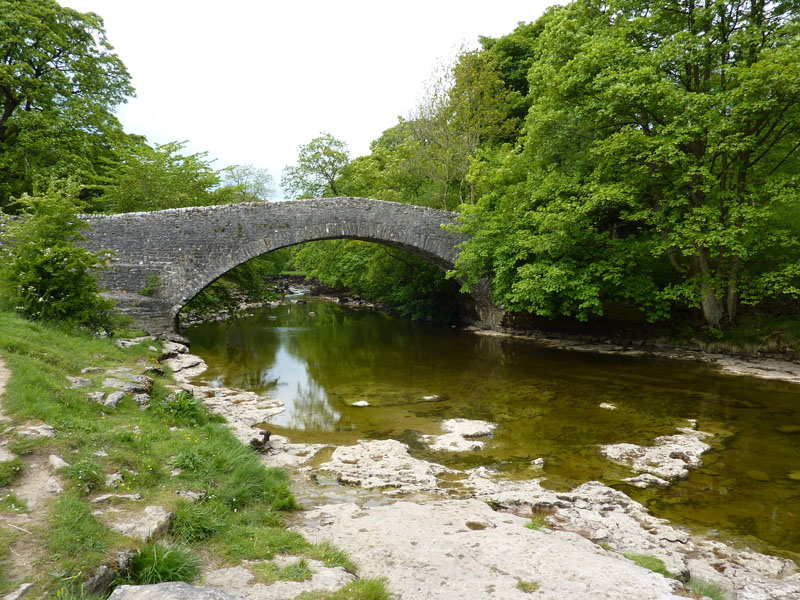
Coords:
59,83
658,163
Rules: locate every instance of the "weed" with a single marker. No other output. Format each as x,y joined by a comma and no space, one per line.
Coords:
9,471
702,587
269,572
527,586
151,285
650,562
158,562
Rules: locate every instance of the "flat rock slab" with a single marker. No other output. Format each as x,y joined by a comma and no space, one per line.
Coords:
670,458
168,591
153,524
37,431
384,464
6,455
239,580
458,433
436,551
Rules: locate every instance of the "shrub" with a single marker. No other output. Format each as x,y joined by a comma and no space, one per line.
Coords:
43,275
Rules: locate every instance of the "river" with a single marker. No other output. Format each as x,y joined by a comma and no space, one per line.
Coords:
320,358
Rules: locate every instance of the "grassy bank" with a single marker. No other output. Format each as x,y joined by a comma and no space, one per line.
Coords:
174,446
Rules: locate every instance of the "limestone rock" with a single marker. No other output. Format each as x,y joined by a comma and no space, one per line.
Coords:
56,462
96,397
427,551
128,342
91,370
53,486
19,592
185,366
238,580
78,382
360,404
37,431
177,590
646,480
153,524
113,480
6,455
458,432
670,458
172,349
384,464
107,497
114,398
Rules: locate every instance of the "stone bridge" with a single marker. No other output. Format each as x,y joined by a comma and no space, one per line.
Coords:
188,248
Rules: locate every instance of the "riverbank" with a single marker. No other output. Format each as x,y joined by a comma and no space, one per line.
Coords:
434,532
108,475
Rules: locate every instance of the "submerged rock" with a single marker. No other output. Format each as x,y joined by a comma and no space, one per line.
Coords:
459,430
669,459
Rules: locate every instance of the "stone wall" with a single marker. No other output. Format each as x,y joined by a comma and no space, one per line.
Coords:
188,248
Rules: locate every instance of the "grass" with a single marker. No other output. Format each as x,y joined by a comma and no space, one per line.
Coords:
9,471
7,536
158,562
363,589
9,503
538,520
269,572
701,587
527,586
650,562
175,445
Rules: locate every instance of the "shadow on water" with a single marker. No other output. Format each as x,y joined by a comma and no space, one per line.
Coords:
319,359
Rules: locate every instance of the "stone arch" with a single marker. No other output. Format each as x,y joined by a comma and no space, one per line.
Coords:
186,249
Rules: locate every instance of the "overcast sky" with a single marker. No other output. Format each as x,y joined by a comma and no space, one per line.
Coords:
248,81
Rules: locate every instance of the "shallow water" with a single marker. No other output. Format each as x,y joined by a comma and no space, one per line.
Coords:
544,401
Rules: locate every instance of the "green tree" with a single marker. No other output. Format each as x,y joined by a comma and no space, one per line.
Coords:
248,182
659,163
319,164
143,178
59,82
43,274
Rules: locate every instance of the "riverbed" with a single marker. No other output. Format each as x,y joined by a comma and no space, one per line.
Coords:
345,375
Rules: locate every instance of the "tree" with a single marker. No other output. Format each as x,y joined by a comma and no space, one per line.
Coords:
43,274
658,166
142,178
319,163
249,182
59,82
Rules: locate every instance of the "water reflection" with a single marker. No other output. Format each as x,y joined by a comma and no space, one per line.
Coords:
545,402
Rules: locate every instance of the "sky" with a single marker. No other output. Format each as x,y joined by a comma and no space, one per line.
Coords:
248,81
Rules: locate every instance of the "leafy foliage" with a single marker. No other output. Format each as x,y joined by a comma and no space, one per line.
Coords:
319,163
45,276
378,273
657,167
140,177
59,83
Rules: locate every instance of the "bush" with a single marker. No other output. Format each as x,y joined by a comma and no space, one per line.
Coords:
43,275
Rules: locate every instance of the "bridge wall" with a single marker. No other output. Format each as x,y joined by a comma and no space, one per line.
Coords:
189,248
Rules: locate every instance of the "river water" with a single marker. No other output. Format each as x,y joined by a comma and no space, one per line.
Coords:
320,358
